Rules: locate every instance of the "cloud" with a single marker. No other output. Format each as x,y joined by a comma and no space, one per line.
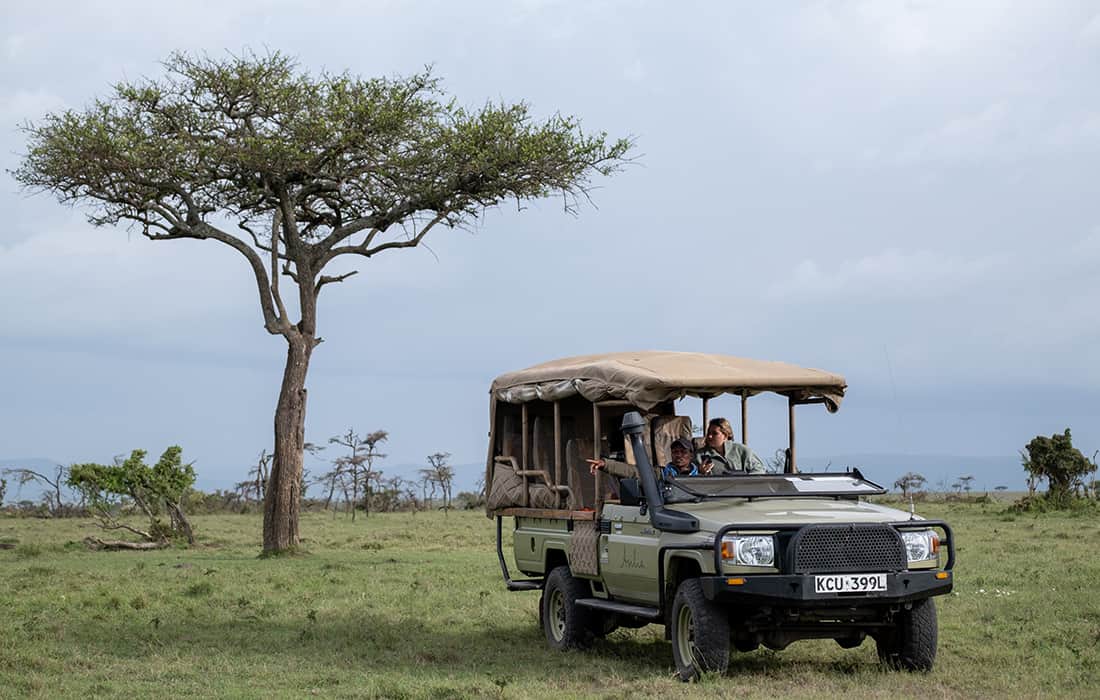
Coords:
104,282
22,105
980,133
911,32
773,167
922,81
1003,131
890,275
1091,30
14,44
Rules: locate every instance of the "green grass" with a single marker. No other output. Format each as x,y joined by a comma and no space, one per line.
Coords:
403,605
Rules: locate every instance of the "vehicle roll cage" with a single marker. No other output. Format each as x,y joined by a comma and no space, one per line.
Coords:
555,478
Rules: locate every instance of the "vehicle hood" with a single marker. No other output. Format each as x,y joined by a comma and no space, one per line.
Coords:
717,513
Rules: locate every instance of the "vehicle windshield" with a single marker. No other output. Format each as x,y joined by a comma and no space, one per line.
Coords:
693,488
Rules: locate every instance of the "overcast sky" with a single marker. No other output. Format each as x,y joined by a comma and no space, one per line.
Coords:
900,192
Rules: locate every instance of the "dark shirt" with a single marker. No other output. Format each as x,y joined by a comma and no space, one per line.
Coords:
671,472
624,470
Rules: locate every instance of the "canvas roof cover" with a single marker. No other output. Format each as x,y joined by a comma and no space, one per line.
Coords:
650,377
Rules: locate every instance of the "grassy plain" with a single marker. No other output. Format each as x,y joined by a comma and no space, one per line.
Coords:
404,605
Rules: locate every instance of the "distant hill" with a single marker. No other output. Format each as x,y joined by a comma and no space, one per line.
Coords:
941,471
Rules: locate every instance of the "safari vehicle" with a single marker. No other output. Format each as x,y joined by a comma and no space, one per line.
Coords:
720,561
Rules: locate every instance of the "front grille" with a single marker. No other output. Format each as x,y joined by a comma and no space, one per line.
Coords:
843,548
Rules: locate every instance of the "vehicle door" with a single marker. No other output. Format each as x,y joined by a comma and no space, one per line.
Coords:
629,547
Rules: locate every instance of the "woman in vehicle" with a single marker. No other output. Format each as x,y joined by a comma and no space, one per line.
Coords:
724,455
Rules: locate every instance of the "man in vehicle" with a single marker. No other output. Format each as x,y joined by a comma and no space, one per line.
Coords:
724,455
682,464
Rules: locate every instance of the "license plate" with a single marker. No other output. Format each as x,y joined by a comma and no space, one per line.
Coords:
850,583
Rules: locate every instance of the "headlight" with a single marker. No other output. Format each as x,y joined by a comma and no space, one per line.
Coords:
748,550
921,545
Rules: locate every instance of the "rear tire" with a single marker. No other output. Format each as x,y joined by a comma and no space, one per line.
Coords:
700,633
911,644
566,624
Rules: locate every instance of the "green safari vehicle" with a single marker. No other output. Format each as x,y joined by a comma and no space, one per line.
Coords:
732,561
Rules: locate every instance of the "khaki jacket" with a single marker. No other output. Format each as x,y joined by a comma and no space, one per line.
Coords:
734,457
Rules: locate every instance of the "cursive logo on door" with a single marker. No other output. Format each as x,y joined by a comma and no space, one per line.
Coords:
631,560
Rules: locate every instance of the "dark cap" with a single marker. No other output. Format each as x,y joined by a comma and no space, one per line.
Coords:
684,443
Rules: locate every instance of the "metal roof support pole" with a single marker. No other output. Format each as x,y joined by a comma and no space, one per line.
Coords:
557,443
492,447
790,423
596,454
744,417
523,455
706,413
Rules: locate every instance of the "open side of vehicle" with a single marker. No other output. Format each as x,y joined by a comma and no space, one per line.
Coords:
724,561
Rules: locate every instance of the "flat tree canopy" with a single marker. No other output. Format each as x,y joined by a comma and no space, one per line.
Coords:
305,169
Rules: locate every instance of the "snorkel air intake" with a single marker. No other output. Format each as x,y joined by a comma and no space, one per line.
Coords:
659,516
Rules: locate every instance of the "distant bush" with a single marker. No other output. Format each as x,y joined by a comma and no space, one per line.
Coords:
1062,465
1048,502
156,490
200,502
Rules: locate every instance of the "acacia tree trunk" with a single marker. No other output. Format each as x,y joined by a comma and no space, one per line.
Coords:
282,500
367,493
331,491
354,490
180,523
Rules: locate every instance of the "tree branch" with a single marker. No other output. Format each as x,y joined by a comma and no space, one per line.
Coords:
284,322
108,522
377,223
289,221
263,285
411,243
367,251
242,225
95,543
327,279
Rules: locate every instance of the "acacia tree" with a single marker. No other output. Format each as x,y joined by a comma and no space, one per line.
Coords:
312,170
52,487
910,481
441,473
358,466
966,482
256,480
427,479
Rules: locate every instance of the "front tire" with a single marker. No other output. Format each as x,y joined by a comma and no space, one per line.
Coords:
911,644
566,624
700,633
